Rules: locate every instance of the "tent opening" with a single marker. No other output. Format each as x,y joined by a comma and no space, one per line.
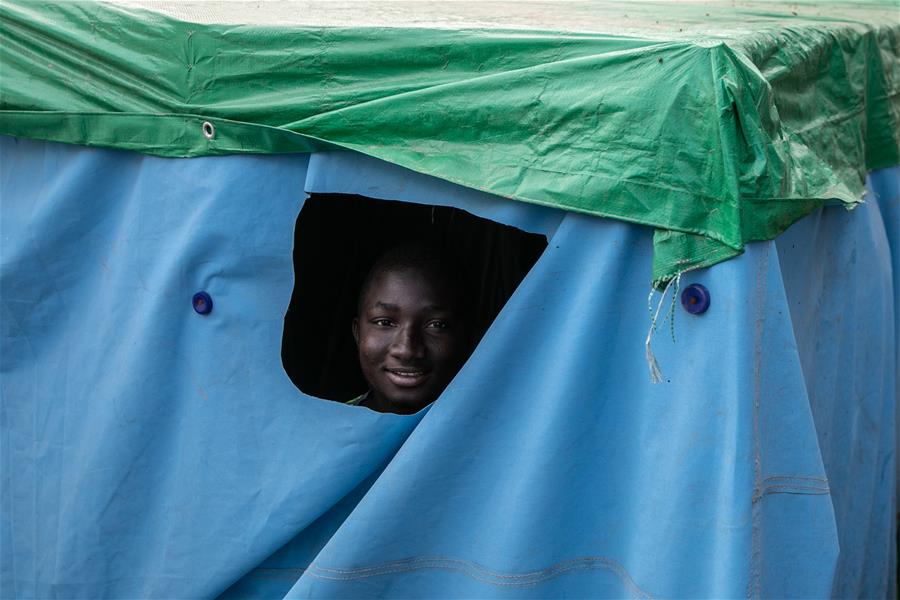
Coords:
337,238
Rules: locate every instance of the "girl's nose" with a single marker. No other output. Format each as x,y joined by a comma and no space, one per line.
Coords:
407,344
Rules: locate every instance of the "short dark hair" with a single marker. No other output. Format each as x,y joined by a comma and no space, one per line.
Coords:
426,258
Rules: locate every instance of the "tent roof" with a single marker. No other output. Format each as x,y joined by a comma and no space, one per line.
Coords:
716,123
672,19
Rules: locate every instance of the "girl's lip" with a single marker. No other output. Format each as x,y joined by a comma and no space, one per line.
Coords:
406,377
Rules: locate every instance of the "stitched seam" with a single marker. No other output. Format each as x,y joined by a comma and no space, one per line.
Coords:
795,489
442,560
753,581
480,573
795,478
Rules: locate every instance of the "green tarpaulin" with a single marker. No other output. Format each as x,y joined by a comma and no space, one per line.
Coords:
716,123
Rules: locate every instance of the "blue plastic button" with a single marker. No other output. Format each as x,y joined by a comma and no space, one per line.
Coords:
695,299
202,303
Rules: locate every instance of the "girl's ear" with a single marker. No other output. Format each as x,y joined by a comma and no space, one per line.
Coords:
355,326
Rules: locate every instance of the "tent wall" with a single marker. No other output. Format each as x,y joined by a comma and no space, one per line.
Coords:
151,451
835,268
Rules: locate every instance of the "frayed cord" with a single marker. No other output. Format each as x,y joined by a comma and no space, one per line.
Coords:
655,372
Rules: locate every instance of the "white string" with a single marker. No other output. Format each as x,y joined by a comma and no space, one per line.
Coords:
655,372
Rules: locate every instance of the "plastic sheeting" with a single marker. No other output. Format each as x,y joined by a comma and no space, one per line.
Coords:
148,451
715,125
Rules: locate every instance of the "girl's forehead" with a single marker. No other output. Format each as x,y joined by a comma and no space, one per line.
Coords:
410,284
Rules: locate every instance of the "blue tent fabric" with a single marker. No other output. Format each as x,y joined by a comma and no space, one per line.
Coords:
849,363
149,451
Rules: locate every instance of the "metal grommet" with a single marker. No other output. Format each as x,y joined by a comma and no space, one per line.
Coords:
209,130
695,299
202,303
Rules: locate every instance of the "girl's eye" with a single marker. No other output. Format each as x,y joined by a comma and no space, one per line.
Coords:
438,324
382,322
